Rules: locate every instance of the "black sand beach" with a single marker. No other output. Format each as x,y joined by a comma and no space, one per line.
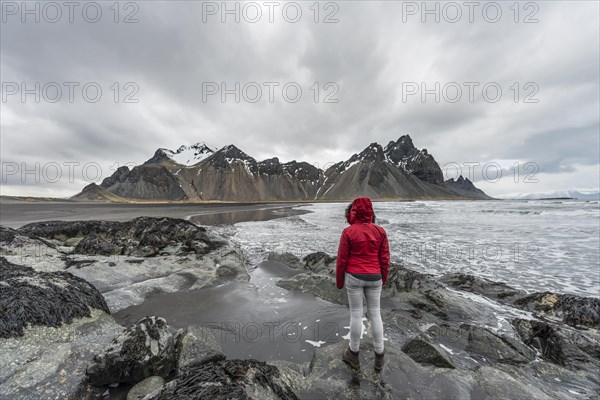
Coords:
14,214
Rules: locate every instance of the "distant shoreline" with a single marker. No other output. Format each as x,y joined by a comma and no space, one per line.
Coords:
33,199
15,214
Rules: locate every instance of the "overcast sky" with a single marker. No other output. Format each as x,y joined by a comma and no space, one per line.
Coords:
374,61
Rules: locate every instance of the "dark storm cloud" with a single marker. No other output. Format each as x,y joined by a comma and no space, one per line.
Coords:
369,54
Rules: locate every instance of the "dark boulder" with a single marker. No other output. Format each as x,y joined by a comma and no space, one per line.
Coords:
320,285
561,345
198,345
573,310
144,349
13,242
483,344
485,287
143,236
42,298
147,387
402,279
286,258
570,309
319,262
229,379
426,353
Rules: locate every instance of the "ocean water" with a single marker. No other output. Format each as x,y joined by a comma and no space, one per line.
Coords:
537,245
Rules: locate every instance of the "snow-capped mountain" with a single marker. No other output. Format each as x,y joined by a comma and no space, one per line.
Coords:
201,172
403,154
397,171
185,155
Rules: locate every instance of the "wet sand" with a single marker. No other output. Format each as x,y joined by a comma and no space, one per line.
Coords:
14,214
252,320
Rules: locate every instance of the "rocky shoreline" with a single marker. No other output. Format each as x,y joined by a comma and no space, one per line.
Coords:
454,336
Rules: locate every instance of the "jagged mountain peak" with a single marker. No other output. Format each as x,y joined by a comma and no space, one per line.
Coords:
118,176
273,160
464,187
460,179
232,152
403,154
401,149
203,145
184,155
373,152
229,157
396,170
405,139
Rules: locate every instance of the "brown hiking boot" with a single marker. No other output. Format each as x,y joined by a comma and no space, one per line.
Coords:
379,361
351,358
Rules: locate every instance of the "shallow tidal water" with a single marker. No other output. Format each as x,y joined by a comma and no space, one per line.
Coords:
251,320
541,245
531,245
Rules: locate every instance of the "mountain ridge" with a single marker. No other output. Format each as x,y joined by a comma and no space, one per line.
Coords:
201,172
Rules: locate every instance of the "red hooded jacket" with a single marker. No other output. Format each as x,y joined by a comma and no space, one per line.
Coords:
363,246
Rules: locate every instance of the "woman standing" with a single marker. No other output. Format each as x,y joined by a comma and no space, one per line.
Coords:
363,261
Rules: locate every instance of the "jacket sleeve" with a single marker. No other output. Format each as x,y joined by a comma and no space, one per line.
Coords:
342,260
384,258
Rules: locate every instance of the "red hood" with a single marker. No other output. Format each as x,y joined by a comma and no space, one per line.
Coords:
362,210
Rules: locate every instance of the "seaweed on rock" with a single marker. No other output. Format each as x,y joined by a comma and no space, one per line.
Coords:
42,298
229,379
143,236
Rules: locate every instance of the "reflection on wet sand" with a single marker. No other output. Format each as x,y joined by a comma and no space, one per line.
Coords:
254,320
233,217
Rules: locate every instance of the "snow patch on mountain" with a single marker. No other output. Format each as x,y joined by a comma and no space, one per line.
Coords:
190,155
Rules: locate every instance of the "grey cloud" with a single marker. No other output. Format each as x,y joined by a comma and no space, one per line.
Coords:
368,54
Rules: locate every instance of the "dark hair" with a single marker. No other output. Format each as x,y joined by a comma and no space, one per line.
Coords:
347,212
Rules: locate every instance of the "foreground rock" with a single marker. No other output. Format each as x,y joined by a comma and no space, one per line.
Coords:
192,363
147,387
59,281
317,284
142,237
482,345
326,376
51,324
49,362
572,310
575,311
561,345
128,260
426,353
42,298
147,348
229,379
12,242
486,335
198,346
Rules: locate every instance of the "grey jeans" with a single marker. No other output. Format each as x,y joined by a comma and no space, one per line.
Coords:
372,291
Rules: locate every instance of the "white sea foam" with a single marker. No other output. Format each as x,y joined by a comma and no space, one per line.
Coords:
448,349
316,344
535,246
